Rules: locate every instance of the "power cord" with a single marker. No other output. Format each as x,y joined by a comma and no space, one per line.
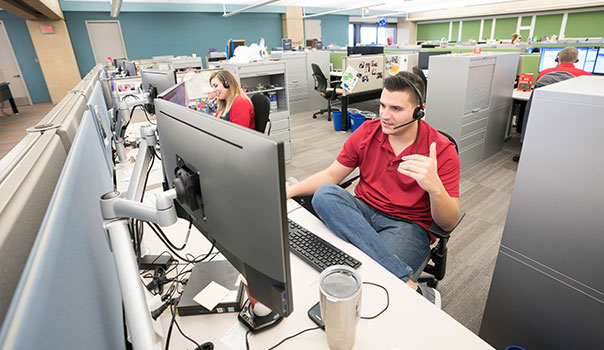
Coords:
387,301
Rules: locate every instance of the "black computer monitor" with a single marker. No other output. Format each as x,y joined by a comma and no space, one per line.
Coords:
423,58
233,181
130,68
155,82
365,50
176,94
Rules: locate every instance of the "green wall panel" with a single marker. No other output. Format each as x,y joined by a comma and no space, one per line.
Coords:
526,21
486,29
525,35
470,30
585,24
505,27
432,31
547,25
455,31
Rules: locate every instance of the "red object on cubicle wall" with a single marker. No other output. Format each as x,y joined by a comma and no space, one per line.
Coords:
525,82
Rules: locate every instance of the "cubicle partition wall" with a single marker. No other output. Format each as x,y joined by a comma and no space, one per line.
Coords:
368,72
28,176
68,296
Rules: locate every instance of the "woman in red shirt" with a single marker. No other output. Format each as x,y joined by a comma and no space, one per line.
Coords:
233,104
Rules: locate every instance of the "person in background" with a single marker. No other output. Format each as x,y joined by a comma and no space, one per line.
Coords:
409,177
233,103
516,38
566,63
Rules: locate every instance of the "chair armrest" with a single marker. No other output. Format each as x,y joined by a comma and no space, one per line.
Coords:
348,180
439,232
335,83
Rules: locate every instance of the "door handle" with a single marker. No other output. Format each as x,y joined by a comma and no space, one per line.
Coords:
17,76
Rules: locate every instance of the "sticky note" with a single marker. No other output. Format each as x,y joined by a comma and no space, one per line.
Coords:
211,295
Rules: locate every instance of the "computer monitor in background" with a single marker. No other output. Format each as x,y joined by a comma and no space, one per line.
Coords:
130,68
423,58
364,50
234,180
599,64
156,81
586,58
119,63
589,58
176,94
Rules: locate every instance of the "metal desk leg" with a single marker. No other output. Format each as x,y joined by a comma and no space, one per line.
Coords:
344,113
13,105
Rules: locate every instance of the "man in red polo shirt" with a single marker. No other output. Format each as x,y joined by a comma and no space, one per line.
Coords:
409,176
566,63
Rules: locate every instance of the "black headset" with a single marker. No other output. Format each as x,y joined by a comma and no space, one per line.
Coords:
418,113
225,83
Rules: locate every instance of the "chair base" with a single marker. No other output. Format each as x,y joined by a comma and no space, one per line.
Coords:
325,110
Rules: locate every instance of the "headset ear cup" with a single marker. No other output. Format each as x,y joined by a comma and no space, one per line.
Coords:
418,113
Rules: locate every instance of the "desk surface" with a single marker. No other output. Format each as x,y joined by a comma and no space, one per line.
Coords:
410,322
521,95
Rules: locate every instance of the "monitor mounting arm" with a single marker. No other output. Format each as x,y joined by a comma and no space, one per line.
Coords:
123,119
116,214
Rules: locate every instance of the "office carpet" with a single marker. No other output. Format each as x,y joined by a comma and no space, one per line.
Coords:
485,193
12,127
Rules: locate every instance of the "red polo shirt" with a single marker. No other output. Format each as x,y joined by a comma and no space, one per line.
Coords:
382,186
564,67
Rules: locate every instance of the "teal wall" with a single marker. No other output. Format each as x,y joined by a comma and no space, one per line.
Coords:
26,56
148,34
334,29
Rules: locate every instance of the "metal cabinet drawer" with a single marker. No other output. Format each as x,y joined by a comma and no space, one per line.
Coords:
279,125
274,116
260,70
475,137
474,126
280,136
471,155
469,118
287,148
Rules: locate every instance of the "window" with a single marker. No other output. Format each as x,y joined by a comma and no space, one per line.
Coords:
371,33
351,34
368,34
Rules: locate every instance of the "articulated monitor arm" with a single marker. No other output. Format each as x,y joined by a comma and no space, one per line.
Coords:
123,119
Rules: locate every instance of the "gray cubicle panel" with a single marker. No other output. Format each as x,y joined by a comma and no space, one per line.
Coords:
97,109
548,287
68,295
26,191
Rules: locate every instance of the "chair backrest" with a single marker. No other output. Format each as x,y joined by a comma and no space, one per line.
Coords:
262,110
450,138
320,80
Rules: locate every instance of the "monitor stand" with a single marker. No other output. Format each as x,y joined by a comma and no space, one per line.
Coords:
253,321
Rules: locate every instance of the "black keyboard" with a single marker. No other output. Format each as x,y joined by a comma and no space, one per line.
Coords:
316,251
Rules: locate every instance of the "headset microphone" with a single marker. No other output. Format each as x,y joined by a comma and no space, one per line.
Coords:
418,113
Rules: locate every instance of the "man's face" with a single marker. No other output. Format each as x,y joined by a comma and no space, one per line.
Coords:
395,109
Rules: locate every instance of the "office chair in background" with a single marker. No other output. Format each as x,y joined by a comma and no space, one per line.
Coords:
262,110
329,91
434,266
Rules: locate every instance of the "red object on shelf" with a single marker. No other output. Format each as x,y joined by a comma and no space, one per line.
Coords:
525,82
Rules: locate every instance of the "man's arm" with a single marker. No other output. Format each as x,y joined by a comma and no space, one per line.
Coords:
444,208
333,174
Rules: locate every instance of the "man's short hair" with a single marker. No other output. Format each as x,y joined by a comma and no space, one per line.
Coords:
400,82
568,55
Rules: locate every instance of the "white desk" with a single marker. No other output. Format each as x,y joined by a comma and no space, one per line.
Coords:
411,322
521,95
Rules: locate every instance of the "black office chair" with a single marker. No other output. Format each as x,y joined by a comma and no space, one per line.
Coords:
262,110
329,91
434,266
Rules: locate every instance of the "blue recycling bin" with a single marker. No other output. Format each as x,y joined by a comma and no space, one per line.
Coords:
336,116
355,121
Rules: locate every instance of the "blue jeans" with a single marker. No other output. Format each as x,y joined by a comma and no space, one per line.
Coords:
401,247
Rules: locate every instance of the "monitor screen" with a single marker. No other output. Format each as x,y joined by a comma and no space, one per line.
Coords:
365,50
423,59
175,94
585,59
599,64
130,68
234,181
